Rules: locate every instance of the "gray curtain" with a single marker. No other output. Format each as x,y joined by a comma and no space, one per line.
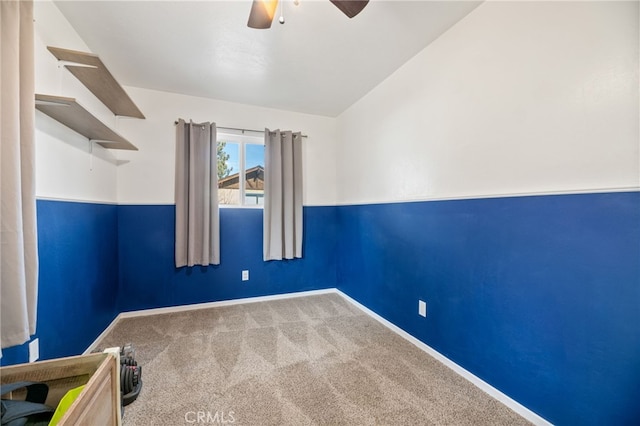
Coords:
196,194
282,195
18,234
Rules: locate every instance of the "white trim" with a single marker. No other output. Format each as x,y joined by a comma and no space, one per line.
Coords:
94,344
73,200
146,203
223,136
244,206
193,307
242,140
372,202
498,195
481,384
183,308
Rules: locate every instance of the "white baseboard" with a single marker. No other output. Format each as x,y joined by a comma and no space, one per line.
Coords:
93,346
481,384
192,307
484,386
218,304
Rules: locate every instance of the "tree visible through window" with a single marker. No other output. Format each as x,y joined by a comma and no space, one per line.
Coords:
240,156
223,168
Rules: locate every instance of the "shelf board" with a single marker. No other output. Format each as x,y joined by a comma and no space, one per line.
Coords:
97,78
70,113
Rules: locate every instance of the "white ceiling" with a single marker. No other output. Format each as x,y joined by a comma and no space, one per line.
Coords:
318,62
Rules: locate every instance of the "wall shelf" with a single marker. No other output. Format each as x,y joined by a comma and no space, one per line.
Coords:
97,78
70,113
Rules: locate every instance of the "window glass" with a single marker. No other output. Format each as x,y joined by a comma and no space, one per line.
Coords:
240,155
228,172
254,174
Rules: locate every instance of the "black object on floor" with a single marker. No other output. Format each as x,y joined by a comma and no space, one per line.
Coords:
31,411
130,376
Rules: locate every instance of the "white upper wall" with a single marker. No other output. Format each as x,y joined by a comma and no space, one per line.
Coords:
148,176
65,168
518,97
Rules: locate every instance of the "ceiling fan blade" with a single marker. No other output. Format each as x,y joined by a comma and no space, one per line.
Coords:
262,13
350,7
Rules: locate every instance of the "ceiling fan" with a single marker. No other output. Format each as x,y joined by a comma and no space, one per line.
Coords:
263,11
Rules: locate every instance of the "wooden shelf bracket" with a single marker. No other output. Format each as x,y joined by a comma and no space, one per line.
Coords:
70,113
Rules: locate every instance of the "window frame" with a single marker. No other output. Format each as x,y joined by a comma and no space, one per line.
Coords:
242,140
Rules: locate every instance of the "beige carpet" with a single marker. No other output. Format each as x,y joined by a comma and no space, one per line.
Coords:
302,361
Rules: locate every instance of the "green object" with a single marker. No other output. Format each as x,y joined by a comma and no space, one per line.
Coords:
65,403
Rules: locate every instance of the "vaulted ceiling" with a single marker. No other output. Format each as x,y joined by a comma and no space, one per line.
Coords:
318,62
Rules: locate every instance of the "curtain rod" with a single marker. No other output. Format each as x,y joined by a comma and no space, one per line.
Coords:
241,130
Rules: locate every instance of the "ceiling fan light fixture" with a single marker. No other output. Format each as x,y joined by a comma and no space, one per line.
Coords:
350,7
262,13
281,19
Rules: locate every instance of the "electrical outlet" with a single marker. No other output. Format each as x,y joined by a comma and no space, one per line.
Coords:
245,275
422,308
34,350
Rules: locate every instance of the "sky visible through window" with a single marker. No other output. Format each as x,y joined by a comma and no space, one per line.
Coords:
248,190
254,156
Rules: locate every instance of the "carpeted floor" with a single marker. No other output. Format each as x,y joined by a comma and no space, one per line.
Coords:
301,361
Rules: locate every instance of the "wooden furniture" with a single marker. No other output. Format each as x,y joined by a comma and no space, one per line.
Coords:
97,78
89,69
70,113
99,402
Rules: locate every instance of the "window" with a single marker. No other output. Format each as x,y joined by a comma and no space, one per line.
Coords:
240,155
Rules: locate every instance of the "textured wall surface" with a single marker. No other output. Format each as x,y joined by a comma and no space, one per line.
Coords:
538,296
149,279
78,250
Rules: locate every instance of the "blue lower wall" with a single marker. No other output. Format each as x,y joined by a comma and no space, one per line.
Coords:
78,277
538,296
149,279
97,260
